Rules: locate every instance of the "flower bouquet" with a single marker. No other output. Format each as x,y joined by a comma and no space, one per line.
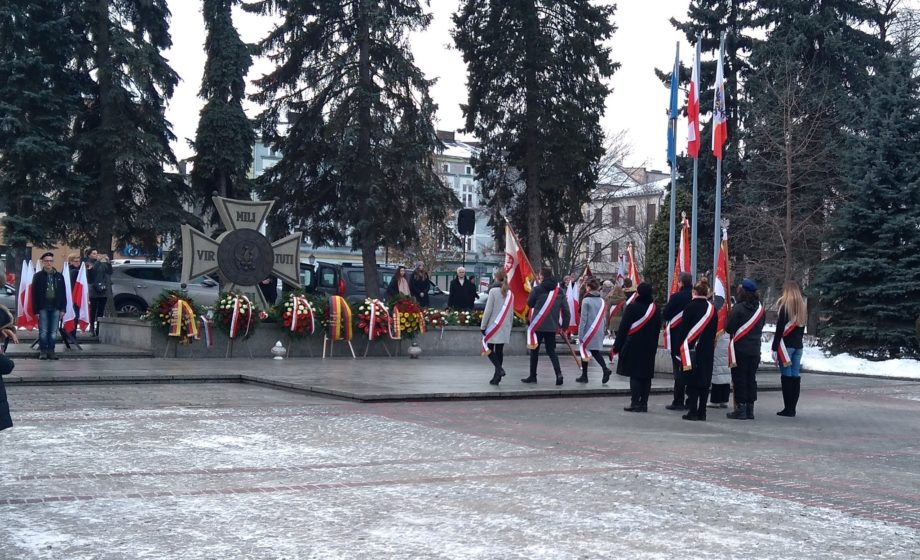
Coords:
407,317
297,314
236,315
435,318
373,319
174,312
464,319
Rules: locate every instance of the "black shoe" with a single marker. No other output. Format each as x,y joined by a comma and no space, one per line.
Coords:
740,412
750,411
582,379
496,378
53,356
673,406
558,380
606,377
42,355
502,372
690,416
786,413
531,379
632,408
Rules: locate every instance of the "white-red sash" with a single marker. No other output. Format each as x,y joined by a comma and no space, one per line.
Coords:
637,326
235,319
621,305
375,305
592,331
782,353
741,333
695,333
539,317
497,323
672,324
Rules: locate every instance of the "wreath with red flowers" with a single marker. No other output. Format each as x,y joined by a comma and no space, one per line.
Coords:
162,314
298,314
232,305
373,318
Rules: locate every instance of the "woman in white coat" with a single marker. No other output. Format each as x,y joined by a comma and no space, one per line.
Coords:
591,329
721,374
496,323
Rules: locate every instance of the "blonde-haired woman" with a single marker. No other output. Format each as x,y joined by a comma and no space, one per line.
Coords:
787,344
496,323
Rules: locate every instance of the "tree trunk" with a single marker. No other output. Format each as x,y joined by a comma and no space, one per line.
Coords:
532,150
787,272
366,232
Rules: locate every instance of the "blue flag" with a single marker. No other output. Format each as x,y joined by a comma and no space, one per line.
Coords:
672,114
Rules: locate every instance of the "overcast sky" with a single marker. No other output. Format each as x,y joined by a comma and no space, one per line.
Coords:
643,41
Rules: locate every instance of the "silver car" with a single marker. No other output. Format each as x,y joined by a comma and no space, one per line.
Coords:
136,285
8,297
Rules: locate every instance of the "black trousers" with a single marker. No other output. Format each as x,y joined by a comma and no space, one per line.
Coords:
497,357
696,400
548,340
96,310
680,382
639,389
744,377
599,356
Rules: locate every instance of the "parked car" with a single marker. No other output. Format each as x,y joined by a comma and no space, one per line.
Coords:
347,280
8,297
136,285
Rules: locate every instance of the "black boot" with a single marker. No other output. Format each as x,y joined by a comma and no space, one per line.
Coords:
607,372
496,377
559,378
740,412
584,373
787,387
531,379
794,393
749,409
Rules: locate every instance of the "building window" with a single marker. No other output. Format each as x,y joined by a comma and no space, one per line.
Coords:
598,216
631,216
466,195
614,251
615,216
597,252
469,170
445,168
650,214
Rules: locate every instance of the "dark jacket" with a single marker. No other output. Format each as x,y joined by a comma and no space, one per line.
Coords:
418,286
637,352
705,345
99,278
676,303
6,367
538,297
739,315
794,340
40,285
461,296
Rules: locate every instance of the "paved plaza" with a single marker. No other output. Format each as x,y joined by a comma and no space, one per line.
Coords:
234,470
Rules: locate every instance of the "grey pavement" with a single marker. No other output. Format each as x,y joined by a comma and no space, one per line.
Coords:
230,470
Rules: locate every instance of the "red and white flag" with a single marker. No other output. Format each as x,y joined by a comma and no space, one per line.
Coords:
81,298
70,318
693,110
721,285
520,273
719,123
682,264
621,270
24,317
632,272
571,299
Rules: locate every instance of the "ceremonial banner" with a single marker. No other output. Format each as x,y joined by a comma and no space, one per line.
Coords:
520,273
721,285
24,317
693,111
719,123
682,263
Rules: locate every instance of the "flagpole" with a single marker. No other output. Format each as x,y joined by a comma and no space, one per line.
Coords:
673,155
696,165
717,219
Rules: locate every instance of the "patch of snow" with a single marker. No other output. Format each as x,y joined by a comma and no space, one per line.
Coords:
815,359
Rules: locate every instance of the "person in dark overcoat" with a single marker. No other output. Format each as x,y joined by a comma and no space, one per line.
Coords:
699,375
546,331
676,303
49,301
7,333
637,351
747,349
462,293
419,284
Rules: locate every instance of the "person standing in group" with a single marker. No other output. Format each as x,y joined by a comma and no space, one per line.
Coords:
496,323
49,301
673,317
547,302
693,344
636,345
745,326
462,294
591,328
787,344
419,284
721,374
7,334
399,284
99,275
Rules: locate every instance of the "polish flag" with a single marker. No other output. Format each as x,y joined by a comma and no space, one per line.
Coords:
571,298
719,124
682,264
81,297
69,316
24,317
693,110
621,270
520,273
721,286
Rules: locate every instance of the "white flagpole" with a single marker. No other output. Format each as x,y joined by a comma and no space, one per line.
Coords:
717,219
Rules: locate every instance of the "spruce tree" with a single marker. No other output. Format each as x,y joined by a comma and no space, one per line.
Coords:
869,284
351,115
39,94
224,140
121,133
535,72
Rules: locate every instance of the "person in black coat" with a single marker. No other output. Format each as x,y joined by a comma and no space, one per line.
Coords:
49,301
419,284
637,351
7,334
747,348
462,292
702,345
99,275
546,331
676,303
